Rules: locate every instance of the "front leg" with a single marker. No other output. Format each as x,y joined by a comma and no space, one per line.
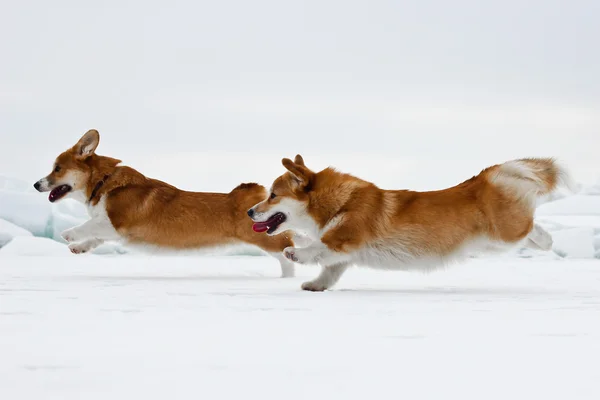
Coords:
316,253
95,228
304,255
287,267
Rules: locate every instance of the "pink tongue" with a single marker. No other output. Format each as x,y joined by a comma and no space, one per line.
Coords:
260,226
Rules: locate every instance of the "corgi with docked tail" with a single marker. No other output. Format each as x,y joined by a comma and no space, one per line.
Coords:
352,221
125,205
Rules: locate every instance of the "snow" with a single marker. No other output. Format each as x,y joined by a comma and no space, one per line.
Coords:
99,327
574,242
13,184
34,246
121,323
131,322
207,95
28,210
8,231
573,205
24,208
39,246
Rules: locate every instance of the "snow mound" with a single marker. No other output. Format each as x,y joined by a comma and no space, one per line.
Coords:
574,243
21,205
579,204
34,246
8,231
72,208
27,210
574,223
62,221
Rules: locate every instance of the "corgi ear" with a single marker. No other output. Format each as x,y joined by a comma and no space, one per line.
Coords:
299,160
301,174
86,146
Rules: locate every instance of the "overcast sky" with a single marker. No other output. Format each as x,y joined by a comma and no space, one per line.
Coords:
433,80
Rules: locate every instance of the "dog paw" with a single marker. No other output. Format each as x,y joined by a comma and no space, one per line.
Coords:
69,235
291,253
79,248
314,286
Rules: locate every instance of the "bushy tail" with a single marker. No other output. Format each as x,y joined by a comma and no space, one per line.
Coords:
531,178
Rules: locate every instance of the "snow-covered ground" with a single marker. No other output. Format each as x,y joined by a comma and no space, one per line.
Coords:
117,324
122,327
205,95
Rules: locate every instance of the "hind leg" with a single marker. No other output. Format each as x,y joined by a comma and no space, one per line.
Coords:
538,239
274,245
287,267
327,278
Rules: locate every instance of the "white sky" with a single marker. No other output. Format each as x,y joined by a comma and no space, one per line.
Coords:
424,83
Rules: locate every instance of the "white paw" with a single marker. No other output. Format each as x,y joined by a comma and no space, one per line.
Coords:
291,253
79,248
70,235
314,286
300,256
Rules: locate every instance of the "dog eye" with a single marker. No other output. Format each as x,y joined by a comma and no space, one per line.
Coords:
57,168
273,195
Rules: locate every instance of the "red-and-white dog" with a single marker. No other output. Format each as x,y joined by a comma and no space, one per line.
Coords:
124,205
355,222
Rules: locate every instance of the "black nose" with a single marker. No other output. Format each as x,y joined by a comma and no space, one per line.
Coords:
250,212
37,186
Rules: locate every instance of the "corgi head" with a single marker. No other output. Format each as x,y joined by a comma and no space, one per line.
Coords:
286,206
71,171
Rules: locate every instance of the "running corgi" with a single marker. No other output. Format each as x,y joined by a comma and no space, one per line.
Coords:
124,205
352,221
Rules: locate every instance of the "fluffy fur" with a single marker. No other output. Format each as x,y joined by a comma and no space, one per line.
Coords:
125,205
352,221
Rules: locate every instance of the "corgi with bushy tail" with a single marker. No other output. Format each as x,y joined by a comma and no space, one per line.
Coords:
353,221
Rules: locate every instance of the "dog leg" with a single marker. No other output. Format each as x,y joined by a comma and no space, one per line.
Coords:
327,278
538,239
85,246
304,255
301,240
95,228
317,252
287,267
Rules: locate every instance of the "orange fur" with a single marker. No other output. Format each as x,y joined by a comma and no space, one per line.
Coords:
147,211
353,217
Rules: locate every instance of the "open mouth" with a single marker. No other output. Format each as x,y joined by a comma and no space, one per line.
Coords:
271,224
58,192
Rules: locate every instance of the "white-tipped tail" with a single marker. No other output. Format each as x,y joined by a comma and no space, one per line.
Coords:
531,178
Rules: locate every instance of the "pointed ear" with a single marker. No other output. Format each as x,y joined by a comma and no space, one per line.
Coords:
86,146
302,174
299,160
